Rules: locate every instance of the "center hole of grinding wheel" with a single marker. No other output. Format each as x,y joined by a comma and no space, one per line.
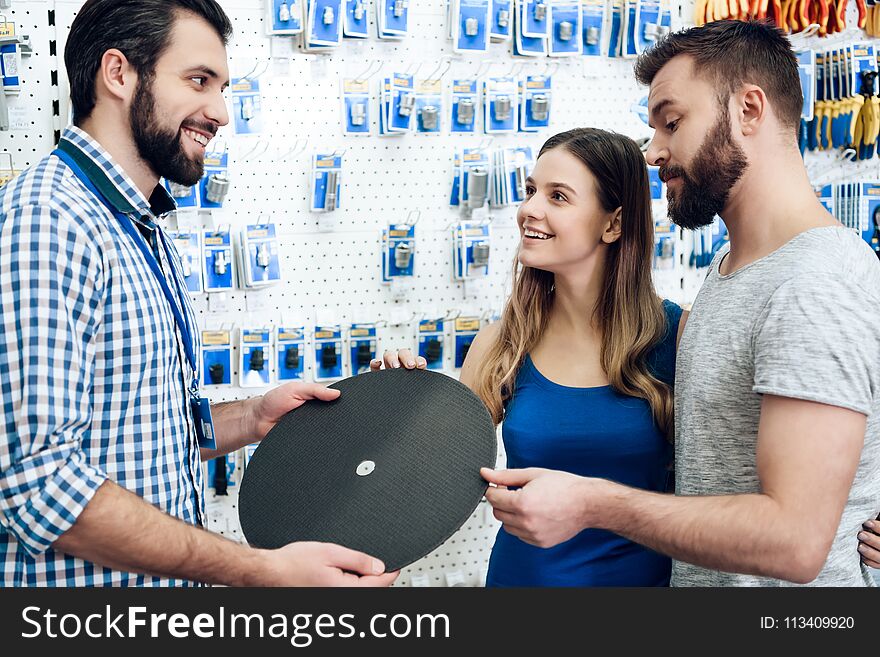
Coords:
365,468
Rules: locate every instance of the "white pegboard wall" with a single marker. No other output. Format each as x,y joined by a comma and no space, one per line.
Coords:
32,132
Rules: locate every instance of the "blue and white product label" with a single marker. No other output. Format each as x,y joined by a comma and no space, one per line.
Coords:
429,106
630,18
471,159
247,107
11,67
523,45
325,22
362,347
517,164
536,18
290,347
255,367
356,24
263,261
466,329
285,17
565,20
356,107
328,353
592,26
646,32
501,105
189,247
864,59
501,20
536,103
807,74
465,106
231,475
432,339
219,264
248,453
216,358
185,197
471,29
472,243
655,183
454,197
398,251
866,219
326,182
826,198
615,33
395,17
215,184
403,100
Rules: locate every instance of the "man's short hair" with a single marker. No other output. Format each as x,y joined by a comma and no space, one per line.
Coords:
140,29
732,53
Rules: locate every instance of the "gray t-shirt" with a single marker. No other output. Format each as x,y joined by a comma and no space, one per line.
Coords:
802,322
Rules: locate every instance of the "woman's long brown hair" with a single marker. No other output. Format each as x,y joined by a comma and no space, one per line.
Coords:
629,313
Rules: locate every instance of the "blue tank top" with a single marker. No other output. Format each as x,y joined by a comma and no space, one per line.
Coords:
592,432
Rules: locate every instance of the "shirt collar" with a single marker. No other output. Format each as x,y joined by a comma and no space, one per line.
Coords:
112,180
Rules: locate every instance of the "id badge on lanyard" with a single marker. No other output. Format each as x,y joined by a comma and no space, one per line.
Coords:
200,407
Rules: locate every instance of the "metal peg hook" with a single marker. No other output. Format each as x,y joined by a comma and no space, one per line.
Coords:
252,74
368,72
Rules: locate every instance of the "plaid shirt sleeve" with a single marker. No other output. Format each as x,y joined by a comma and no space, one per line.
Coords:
51,291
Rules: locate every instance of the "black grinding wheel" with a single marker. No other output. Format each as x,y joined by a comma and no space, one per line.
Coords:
391,468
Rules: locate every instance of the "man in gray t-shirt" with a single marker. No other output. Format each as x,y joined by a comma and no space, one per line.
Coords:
798,323
777,388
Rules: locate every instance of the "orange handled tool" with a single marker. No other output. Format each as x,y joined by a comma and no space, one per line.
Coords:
863,12
822,18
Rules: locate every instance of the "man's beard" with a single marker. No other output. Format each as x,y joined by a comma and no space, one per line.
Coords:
715,169
162,149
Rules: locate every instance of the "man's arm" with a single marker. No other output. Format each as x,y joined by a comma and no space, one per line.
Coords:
120,530
807,456
241,423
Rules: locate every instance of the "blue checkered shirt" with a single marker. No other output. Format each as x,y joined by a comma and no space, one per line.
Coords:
93,376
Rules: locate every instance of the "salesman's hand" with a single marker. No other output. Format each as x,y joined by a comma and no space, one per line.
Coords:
275,404
546,510
403,358
324,564
869,543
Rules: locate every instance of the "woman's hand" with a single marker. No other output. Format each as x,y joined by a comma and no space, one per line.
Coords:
394,359
869,543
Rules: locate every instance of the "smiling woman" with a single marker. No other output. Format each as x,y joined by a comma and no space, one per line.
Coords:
579,369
